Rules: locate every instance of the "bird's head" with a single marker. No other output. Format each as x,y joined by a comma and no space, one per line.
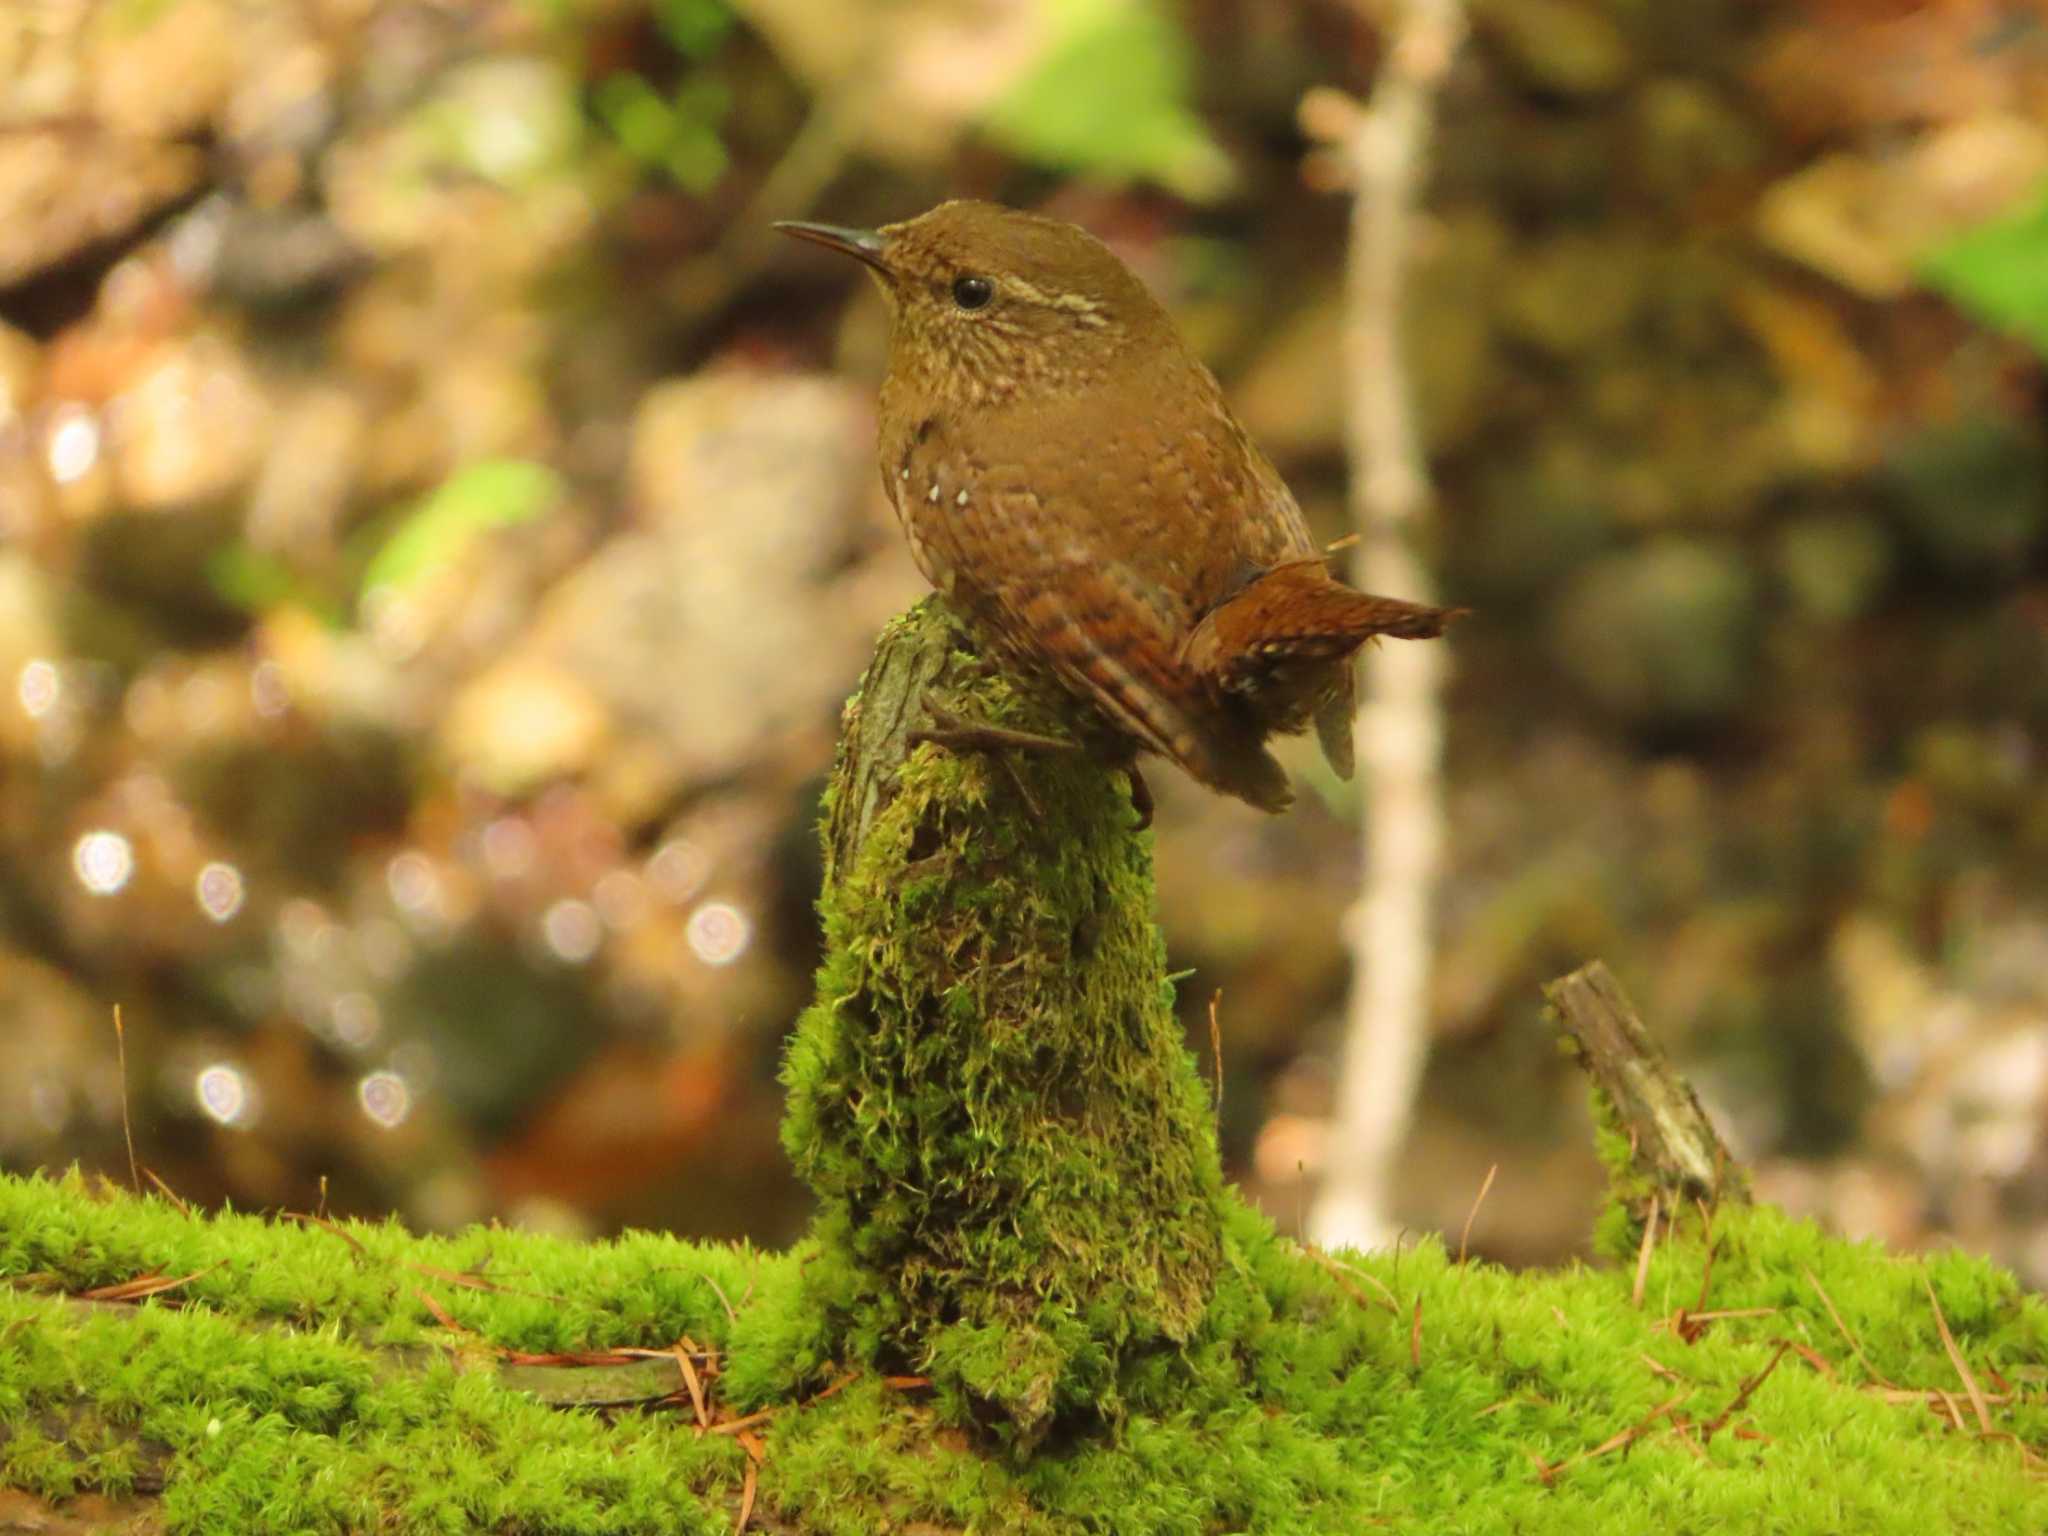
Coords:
990,304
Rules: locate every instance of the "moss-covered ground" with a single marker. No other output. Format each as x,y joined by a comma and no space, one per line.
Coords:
302,1382
1029,1303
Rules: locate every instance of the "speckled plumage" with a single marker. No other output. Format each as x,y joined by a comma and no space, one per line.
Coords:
1069,476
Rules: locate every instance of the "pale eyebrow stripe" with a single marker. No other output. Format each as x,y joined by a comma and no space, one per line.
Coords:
1081,307
1073,303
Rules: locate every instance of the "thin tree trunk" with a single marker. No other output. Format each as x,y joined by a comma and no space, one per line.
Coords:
1383,151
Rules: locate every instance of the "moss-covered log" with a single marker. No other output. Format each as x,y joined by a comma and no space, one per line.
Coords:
1013,1154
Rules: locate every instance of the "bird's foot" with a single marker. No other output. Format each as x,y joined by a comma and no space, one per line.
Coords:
950,731
1141,797
955,734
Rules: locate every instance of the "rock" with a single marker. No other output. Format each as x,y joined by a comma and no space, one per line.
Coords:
732,615
273,259
523,723
301,492
189,428
163,72
64,190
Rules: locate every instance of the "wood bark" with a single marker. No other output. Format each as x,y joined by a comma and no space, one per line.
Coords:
1672,1143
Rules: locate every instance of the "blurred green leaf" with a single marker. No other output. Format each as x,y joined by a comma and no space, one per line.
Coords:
676,134
249,578
1999,271
639,117
256,581
672,131
1112,97
494,493
693,27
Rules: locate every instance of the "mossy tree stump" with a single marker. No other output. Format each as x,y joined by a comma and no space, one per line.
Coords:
1013,1153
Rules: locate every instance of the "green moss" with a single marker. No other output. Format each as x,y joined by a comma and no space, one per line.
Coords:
1292,1406
1012,1152
1019,1200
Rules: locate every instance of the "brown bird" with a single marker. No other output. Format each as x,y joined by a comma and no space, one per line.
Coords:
1071,479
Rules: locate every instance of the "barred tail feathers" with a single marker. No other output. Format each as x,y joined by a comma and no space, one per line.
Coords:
1284,642
1300,611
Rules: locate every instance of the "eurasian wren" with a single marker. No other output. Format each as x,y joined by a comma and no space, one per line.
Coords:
1070,478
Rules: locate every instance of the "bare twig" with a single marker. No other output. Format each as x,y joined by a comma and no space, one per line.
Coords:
1216,1051
1955,1356
127,1132
1382,149
354,1242
723,1301
1342,1275
735,1426
1634,1432
1471,1215
1843,1328
473,1282
167,1192
1643,1255
1742,1397
1816,1359
1712,1247
1948,1402
693,1386
747,1495
145,1285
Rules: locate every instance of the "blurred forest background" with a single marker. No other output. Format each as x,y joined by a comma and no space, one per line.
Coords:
438,529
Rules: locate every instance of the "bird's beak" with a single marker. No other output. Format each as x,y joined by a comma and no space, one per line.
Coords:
862,244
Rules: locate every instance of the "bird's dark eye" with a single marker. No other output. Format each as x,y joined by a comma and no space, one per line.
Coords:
972,292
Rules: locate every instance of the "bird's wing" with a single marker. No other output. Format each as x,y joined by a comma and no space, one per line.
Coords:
1018,565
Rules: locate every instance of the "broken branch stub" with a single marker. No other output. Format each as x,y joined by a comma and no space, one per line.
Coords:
1672,1145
